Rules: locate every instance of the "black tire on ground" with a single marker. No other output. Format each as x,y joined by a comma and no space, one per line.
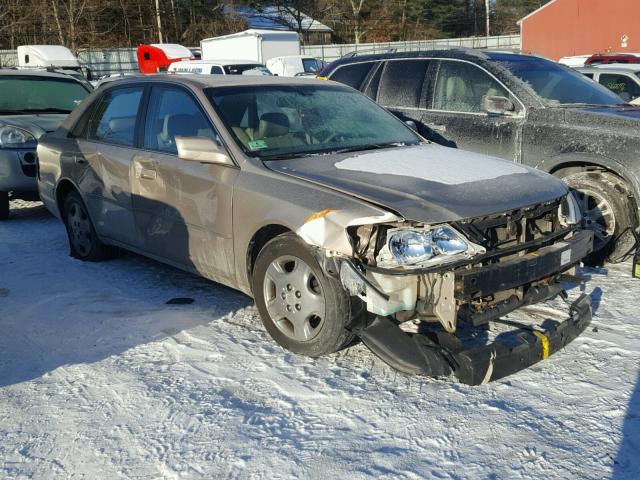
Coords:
4,205
286,273
607,209
84,243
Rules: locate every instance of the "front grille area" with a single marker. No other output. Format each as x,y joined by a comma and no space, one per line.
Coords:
505,231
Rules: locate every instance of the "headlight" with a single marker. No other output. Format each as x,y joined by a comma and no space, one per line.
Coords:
412,246
570,213
13,137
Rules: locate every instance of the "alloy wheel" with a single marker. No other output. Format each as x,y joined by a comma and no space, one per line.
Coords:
80,229
598,216
294,298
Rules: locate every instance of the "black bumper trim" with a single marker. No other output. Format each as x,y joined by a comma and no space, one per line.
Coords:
422,355
515,272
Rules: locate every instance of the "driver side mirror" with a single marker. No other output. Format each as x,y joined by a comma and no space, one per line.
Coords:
203,150
497,105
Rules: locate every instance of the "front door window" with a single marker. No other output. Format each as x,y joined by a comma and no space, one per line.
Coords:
461,86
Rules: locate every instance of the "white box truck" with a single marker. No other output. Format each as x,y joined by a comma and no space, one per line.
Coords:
47,56
255,45
51,56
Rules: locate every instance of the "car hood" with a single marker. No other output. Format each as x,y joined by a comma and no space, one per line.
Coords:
428,183
36,124
603,117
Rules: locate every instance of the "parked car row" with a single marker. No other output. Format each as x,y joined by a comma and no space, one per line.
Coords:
522,108
334,215
338,214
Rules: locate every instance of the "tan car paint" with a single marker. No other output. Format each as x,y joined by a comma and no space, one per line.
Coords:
105,185
183,211
220,213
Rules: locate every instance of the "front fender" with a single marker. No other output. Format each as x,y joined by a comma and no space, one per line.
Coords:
575,159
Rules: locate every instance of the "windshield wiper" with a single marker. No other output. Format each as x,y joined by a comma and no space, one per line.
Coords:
333,151
374,146
45,110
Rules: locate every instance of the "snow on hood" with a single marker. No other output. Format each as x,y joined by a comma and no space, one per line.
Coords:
428,183
441,160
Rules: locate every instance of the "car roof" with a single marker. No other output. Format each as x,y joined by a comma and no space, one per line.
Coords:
34,73
207,81
456,53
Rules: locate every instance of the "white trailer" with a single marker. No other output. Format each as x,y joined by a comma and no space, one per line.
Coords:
47,56
256,45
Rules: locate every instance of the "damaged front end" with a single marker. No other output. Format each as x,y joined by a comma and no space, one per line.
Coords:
423,285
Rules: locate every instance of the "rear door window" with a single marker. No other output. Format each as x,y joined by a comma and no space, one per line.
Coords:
622,85
353,74
460,87
402,83
114,119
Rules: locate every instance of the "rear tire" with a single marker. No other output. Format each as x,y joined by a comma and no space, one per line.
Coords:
84,243
606,208
303,309
4,205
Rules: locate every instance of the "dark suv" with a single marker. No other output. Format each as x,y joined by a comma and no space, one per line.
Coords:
523,108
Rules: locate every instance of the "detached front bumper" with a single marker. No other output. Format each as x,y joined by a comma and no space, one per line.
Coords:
494,361
439,353
443,355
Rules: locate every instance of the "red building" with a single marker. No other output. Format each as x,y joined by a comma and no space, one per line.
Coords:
579,27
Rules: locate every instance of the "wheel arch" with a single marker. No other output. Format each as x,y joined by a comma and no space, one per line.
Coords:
259,239
575,163
63,188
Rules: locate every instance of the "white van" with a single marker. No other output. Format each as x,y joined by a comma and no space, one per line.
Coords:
292,65
219,67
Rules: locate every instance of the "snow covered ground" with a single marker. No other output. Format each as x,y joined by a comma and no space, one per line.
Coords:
99,378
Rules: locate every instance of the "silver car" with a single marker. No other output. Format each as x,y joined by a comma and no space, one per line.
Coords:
336,217
32,102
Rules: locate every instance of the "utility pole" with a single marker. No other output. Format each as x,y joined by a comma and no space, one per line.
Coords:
487,12
160,23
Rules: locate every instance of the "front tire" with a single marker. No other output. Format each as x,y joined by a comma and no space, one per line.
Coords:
4,205
604,201
303,309
84,243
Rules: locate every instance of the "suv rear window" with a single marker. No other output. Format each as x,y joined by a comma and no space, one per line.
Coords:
353,74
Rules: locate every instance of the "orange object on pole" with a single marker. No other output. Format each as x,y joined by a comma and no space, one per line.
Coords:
157,57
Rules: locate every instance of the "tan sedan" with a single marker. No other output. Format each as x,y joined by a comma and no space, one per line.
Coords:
334,215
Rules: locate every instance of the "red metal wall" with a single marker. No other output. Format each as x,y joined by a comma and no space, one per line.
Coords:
580,27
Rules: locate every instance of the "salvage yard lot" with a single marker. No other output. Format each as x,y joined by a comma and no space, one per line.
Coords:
100,378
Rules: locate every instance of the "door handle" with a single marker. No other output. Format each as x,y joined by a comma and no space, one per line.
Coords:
79,159
147,174
436,127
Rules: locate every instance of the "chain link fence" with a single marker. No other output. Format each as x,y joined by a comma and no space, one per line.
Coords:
124,60
109,60
8,58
